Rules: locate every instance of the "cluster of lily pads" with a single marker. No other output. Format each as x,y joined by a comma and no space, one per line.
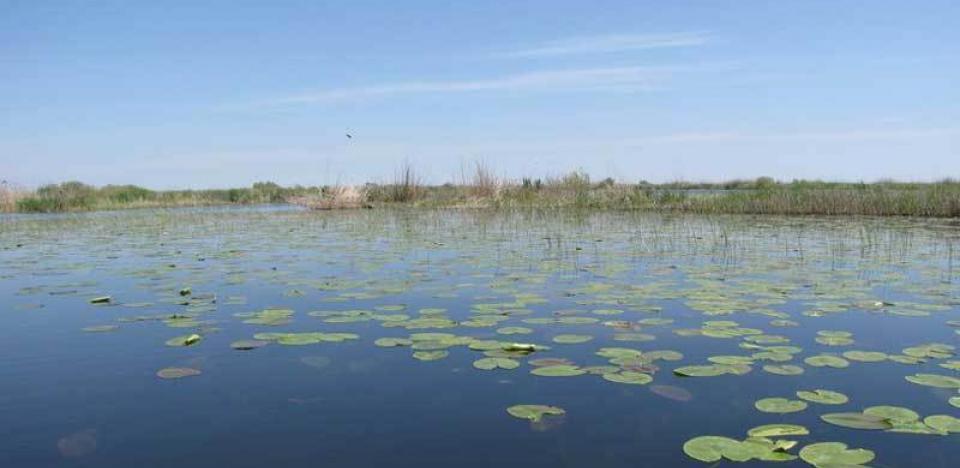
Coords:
531,307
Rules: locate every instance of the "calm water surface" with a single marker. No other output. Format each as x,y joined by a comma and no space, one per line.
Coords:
700,286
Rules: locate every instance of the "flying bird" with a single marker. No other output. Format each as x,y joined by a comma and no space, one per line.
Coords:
349,135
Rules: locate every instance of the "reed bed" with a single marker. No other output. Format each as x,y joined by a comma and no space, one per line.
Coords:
482,189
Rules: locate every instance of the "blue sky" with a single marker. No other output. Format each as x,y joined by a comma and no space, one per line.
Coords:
224,93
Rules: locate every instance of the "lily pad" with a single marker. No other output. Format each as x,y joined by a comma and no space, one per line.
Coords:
865,356
184,340
708,449
894,414
934,380
558,371
430,355
778,430
943,422
177,372
780,405
534,413
827,360
784,369
572,339
491,363
392,342
857,421
824,397
629,377
827,454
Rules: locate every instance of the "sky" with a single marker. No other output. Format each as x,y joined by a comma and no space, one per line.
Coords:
198,94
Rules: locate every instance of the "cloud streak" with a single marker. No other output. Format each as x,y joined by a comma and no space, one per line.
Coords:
609,44
628,79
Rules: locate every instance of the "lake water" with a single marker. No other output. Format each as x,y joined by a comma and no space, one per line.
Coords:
747,297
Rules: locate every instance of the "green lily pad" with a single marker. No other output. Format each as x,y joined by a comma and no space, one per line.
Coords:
184,340
101,300
784,369
558,371
664,355
834,454
629,377
824,397
827,360
101,328
572,339
780,405
430,355
778,430
934,380
702,371
708,449
894,414
865,356
943,423
534,413
298,339
392,342
491,363
514,331
857,421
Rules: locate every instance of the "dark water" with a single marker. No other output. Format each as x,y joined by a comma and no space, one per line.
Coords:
85,399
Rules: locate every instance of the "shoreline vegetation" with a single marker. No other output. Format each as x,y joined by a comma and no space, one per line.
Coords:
482,189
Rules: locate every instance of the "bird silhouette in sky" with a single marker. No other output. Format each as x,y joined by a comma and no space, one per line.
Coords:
349,136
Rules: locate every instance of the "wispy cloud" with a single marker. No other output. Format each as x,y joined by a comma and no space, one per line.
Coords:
609,44
627,79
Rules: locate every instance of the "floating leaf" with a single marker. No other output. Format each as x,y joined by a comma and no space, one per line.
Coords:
856,421
491,363
826,454
711,371
629,377
934,380
893,414
185,340
392,342
865,356
824,397
827,360
572,339
708,449
534,413
943,423
177,372
785,369
780,405
778,430
430,355
558,371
